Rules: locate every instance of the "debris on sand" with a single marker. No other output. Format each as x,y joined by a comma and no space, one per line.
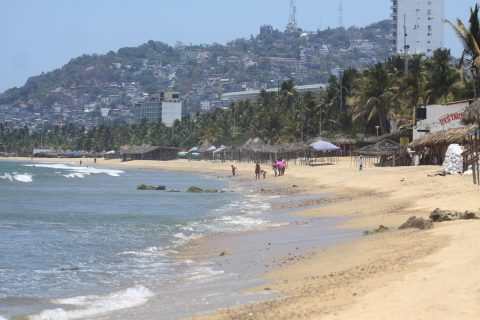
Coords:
418,223
439,215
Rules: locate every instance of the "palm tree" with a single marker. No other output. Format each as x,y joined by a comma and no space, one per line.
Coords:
470,39
373,98
440,77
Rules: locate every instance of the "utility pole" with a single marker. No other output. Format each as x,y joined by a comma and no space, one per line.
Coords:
341,91
340,15
405,63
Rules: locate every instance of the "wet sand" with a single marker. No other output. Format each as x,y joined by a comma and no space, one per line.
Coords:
396,275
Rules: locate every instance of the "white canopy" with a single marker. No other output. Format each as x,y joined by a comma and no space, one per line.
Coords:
324,146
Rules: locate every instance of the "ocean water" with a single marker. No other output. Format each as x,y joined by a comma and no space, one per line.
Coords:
80,242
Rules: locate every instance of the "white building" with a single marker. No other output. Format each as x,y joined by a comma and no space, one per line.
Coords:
423,22
160,105
440,117
254,94
171,111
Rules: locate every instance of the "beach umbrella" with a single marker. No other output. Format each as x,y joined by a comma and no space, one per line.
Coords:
324,146
194,149
219,150
212,148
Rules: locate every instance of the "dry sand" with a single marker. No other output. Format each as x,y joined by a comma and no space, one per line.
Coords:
408,274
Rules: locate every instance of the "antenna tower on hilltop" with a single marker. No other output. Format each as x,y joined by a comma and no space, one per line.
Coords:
340,15
292,17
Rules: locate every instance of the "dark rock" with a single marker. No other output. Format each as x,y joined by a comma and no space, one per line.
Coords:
173,190
439,215
294,186
160,188
195,189
418,223
223,253
70,269
145,187
467,215
211,190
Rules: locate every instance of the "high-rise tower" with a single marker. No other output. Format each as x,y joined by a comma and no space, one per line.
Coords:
292,17
417,26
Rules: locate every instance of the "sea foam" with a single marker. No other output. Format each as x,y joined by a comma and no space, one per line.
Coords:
94,305
26,178
78,171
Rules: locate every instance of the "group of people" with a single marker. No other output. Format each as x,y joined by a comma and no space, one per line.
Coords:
278,167
259,172
423,157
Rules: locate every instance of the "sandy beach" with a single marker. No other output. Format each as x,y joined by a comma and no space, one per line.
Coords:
399,274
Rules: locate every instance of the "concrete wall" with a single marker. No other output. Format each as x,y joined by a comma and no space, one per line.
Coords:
439,118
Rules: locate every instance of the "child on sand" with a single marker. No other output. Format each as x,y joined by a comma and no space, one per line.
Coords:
263,172
233,170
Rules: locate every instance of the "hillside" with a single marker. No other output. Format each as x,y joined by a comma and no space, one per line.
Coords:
201,73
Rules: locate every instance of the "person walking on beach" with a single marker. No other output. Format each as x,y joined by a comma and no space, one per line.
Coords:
257,171
274,167
233,170
361,162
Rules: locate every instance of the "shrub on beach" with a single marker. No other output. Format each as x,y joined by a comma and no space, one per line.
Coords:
380,229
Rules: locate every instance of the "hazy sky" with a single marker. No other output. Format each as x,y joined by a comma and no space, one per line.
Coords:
41,35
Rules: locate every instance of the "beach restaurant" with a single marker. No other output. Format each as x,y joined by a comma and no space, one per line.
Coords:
438,142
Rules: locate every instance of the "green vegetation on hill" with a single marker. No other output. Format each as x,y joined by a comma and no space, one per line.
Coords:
90,75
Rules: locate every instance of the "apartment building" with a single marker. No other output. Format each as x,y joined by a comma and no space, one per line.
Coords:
417,26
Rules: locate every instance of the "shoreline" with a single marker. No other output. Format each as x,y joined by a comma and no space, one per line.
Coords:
379,276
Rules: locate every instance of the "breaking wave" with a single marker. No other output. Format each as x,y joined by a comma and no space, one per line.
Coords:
94,305
77,171
24,177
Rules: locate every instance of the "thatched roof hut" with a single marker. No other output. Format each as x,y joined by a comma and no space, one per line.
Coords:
385,153
471,115
253,144
456,135
438,142
381,148
147,152
290,147
255,149
392,136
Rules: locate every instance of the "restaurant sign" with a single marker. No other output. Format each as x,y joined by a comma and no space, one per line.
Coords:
450,117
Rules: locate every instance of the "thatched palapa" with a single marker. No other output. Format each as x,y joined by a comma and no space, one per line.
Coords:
456,135
471,115
381,148
146,152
